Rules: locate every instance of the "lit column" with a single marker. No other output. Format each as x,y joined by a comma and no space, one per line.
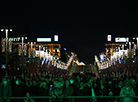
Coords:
6,31
6,52
31,60
137,53
123,47
22,55
129,49
129,55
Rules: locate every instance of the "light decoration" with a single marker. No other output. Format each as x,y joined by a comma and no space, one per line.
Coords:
135,47
121,39
58,65
55,37
70,60
25,49
34,52
10,46
55,63
20,49
62,66
79,63
3,42
102,57
109,38
12,39
43,39
97,61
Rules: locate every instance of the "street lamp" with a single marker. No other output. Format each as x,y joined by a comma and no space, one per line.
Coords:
6,29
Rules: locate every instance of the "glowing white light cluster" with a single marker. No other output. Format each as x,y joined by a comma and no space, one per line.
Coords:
43,39
118,39
109,38
55,37
50,58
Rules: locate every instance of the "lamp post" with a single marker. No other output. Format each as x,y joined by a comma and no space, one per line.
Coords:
129,56
22,55
31,60
137,53
6,31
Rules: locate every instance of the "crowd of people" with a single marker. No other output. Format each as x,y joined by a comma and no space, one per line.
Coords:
59,88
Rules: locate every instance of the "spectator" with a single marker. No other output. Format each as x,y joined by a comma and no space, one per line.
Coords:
53,79
90,90
61,81
67,91
47,81
56,92
118,89
81,91
127,92
28,85
120,85
74,87
43,90
9,81
71,81
101,91
5,90
34,89
88,77
110,91
77,80
132,83
18,90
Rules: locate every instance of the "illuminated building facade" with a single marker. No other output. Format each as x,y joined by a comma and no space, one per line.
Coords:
52,49
117,52
43,50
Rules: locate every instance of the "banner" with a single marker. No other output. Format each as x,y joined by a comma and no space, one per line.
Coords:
3,43
34,52
10,46
25,49
20,49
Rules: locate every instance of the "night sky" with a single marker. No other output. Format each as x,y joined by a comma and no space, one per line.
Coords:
83,25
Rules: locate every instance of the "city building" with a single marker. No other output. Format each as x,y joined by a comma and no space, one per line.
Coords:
117,51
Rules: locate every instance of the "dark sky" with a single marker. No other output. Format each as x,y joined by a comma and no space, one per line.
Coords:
82,25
